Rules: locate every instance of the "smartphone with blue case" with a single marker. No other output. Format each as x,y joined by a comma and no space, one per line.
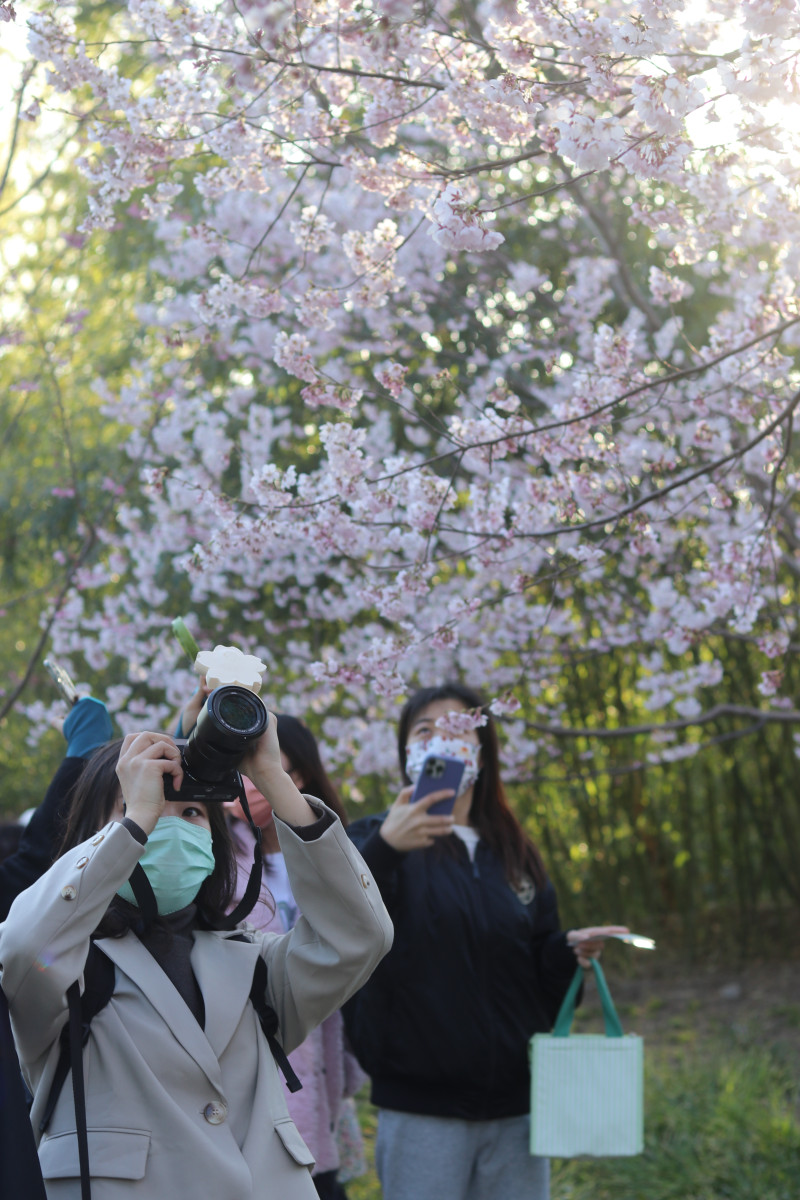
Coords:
439,771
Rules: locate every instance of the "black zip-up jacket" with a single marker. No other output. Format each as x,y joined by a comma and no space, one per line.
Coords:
39,841
442,1026
20,1174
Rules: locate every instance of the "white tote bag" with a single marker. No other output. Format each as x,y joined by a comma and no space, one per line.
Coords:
587,1090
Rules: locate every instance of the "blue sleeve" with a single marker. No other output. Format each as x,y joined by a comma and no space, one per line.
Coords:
87,727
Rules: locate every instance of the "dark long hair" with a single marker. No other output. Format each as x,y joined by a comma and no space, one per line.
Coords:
300,747
93,800
490,813
93,796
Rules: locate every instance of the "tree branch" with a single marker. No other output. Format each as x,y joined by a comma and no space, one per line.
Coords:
614,517
780,716
10,700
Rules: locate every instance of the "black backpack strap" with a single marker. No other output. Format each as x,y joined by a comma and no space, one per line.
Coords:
98,986
99,977
78,1090
269,1023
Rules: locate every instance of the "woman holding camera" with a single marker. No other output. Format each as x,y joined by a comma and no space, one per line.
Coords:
183,1095
479,964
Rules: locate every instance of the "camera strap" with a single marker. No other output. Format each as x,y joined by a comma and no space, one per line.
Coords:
145,896
253,889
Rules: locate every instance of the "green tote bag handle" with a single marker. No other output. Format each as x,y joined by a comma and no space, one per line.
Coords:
567,1011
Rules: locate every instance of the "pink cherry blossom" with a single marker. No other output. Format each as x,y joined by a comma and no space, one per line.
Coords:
459,354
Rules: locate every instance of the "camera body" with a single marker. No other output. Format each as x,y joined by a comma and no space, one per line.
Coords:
230,721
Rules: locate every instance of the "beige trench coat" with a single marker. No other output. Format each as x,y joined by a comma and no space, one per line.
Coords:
175,1110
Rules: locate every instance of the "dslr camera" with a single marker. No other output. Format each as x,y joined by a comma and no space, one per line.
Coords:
231,719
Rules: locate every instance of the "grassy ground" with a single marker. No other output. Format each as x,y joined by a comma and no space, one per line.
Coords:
722,1089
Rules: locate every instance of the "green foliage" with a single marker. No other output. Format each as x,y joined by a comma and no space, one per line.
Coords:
25,772
723,1128
699,847
66,317
721,1125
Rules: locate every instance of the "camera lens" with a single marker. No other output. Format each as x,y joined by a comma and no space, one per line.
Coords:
231,719
240,712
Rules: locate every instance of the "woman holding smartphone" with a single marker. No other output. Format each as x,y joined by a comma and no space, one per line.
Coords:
479,964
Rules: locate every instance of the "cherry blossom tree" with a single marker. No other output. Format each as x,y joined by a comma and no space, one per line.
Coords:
470,346
61,471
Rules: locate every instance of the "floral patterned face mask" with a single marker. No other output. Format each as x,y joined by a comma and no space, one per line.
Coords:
449,747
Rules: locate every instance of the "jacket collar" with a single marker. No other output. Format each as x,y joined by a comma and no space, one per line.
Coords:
211,963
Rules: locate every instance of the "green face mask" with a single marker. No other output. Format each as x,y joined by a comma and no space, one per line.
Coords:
176,860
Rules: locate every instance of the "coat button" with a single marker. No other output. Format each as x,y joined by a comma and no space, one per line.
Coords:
82,861
365,881
69,892
97,840
215,1112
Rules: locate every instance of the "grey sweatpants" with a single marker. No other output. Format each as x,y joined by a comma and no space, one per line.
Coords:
446,1158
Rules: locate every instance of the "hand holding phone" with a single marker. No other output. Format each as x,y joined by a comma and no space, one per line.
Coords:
588,943
410,826
87,724
439,771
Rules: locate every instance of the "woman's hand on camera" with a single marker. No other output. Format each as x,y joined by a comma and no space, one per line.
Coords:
588,943
263,765
410,826
144,760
